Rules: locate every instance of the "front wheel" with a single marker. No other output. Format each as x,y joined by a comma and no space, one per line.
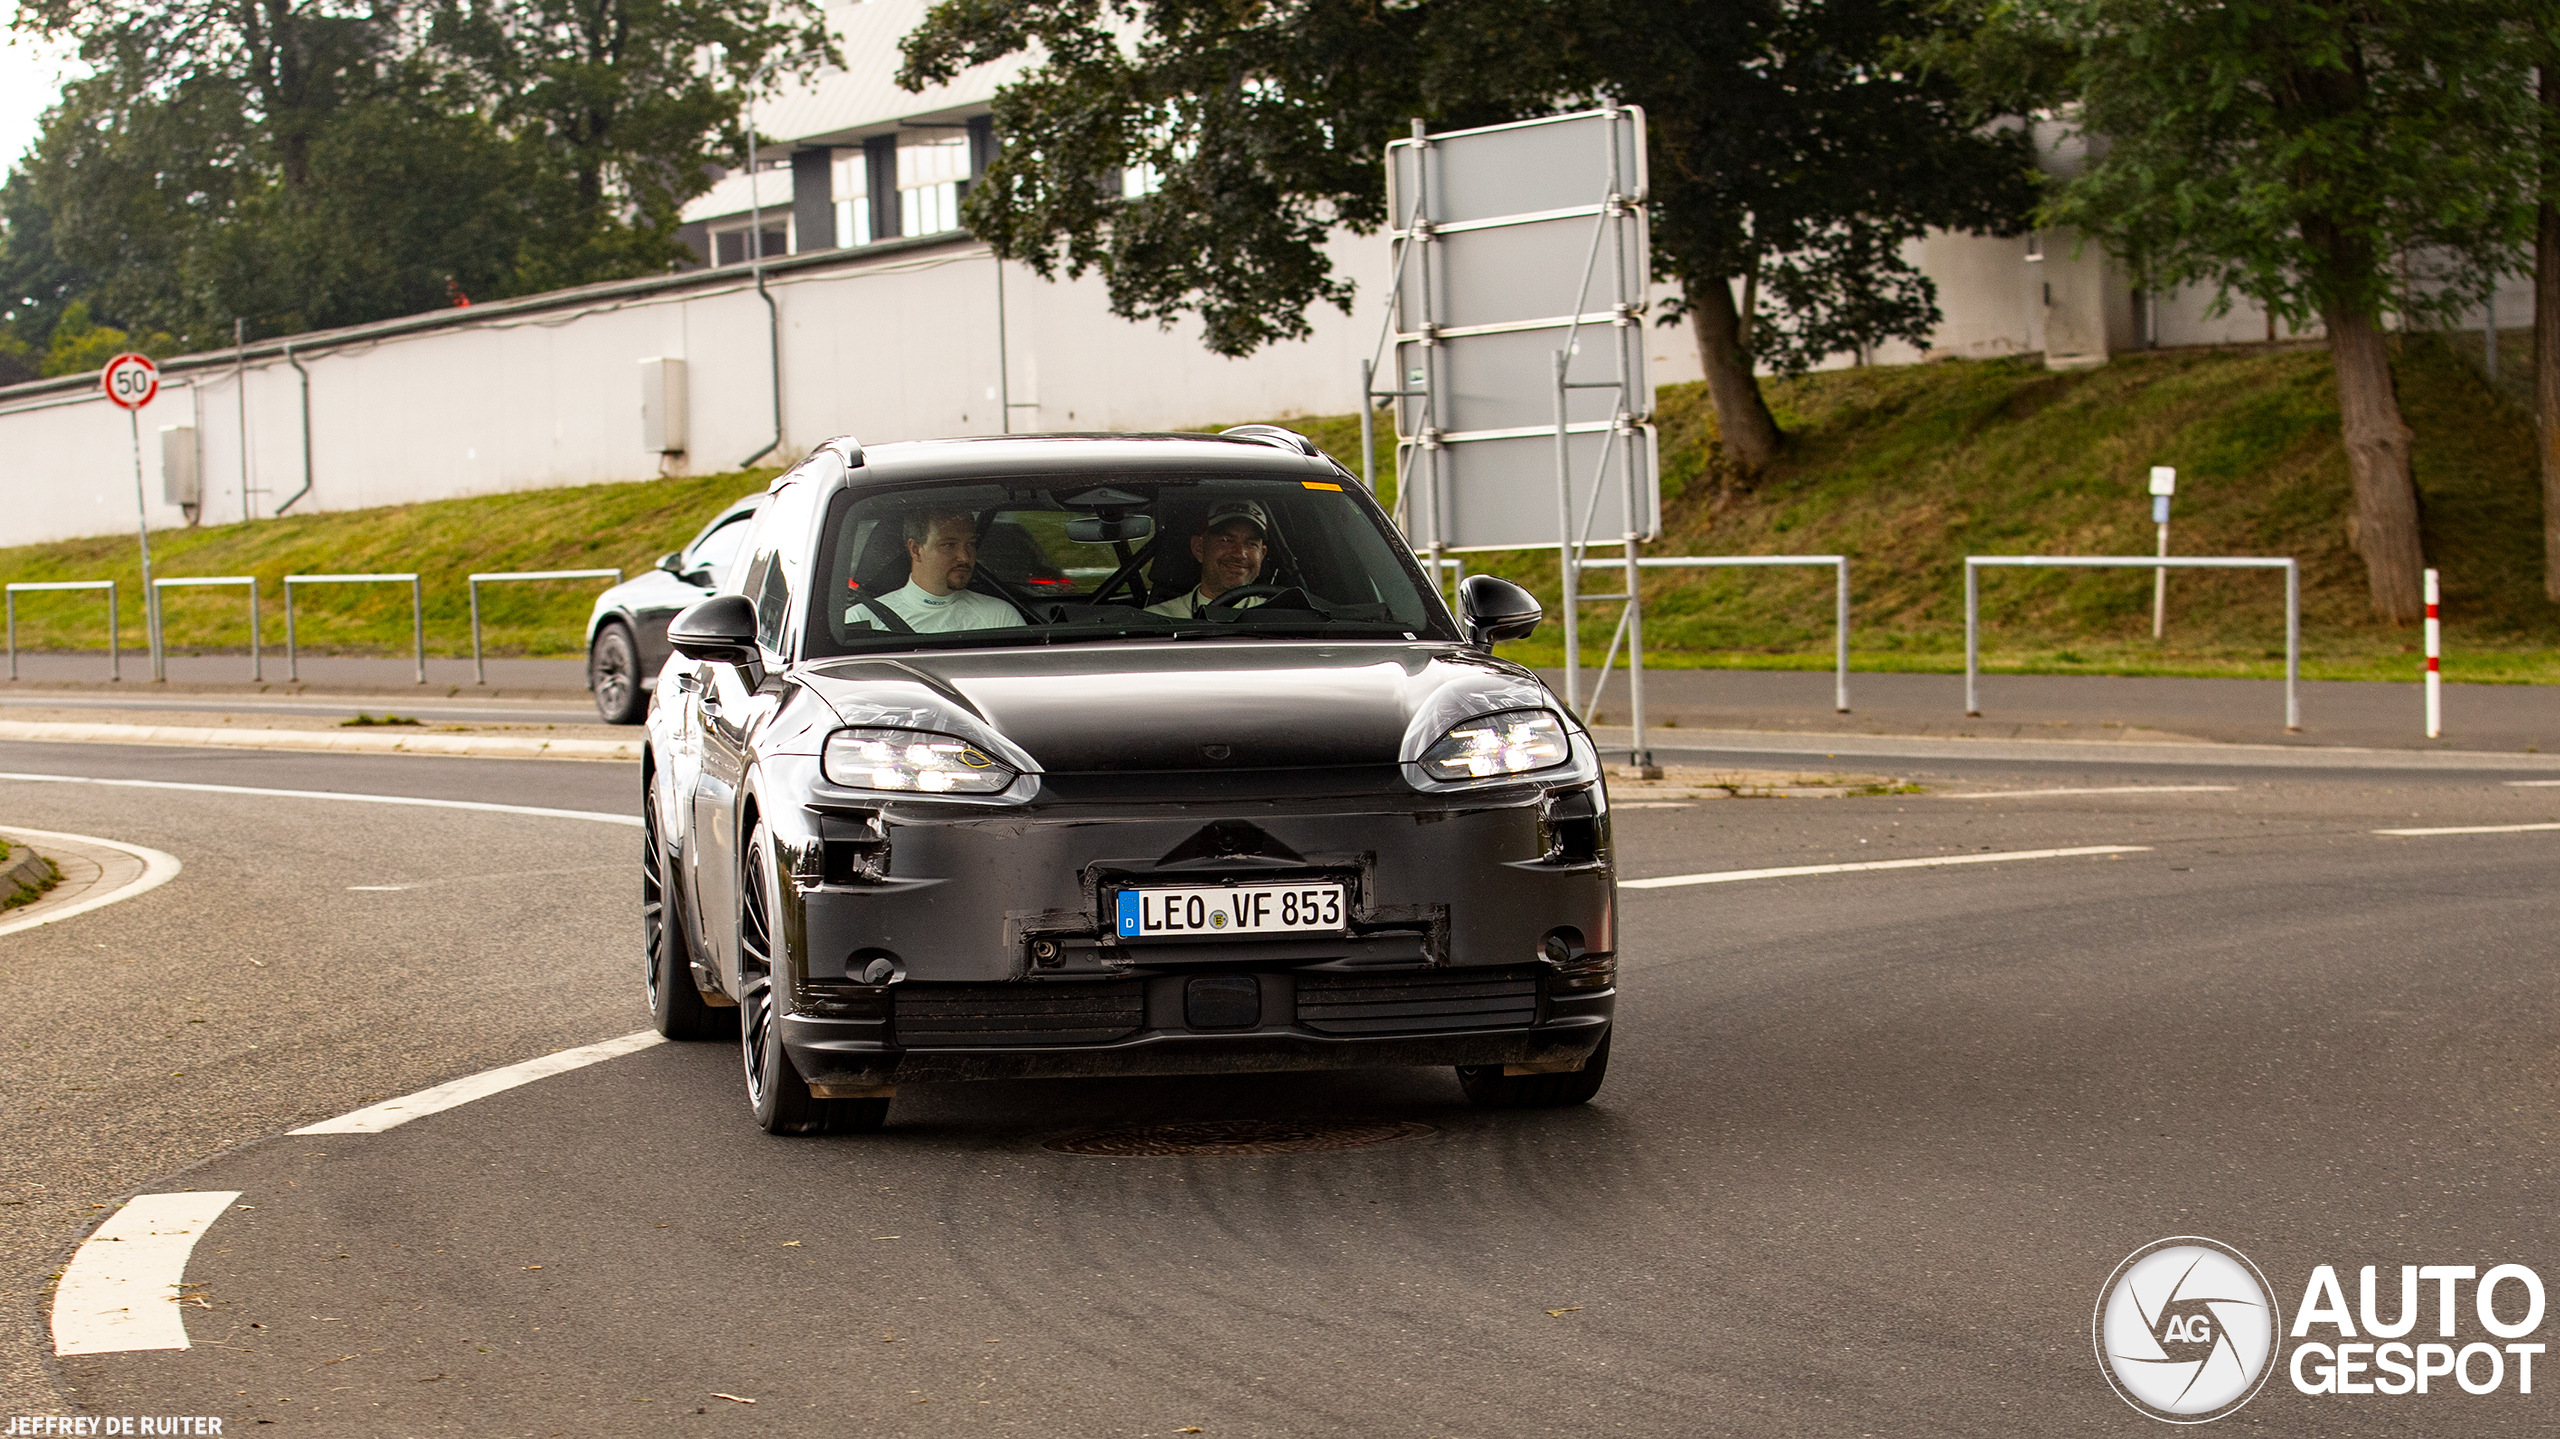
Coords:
1488,1087
776,1093
613,675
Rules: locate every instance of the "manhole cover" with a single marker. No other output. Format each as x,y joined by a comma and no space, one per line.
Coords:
1239,1136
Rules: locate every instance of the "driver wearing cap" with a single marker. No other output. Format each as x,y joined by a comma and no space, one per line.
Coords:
1232,543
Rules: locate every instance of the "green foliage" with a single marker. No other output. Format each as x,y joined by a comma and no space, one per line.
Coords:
304,164
2297,152
80,344
1786,141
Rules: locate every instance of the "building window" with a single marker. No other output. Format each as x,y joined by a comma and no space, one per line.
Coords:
1139,180
730,247
850,185
930,174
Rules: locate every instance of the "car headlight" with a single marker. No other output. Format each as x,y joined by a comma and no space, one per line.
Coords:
917,760
1495,745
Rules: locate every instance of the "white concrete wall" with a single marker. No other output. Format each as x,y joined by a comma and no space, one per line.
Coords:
903,347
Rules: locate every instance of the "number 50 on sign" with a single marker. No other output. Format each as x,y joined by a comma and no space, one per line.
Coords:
130,380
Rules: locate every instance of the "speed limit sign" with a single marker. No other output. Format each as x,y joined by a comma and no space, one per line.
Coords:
130,380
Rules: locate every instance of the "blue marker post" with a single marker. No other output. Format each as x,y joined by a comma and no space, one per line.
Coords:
2164,483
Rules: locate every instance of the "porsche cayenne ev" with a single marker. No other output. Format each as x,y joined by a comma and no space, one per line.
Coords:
1192,772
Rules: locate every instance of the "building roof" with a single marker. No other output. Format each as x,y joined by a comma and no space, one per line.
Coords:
730,196
838,106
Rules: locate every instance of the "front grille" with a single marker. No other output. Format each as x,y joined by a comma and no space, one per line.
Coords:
941,1016
1418,1001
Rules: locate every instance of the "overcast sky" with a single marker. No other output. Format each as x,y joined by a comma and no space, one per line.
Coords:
30,79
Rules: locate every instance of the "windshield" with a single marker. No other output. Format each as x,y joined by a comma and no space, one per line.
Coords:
1089,558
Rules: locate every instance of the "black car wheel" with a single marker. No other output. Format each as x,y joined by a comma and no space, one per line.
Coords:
1489,1088
613,675
775,1091
675,1006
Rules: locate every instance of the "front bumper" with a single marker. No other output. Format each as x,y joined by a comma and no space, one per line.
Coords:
988,1031
1482,930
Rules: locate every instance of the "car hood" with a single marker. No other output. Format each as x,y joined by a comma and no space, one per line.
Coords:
1184,706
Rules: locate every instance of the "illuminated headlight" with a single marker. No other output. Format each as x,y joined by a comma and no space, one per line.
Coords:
1494,745
912,760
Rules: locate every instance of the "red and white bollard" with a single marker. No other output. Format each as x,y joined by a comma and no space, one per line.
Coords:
2435,660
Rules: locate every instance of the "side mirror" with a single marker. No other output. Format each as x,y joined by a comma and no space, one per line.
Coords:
1495,610
672,562
1109,529
721,629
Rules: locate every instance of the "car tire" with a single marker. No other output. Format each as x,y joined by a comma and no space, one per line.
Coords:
778,1096
676,1007
613,675
1488,1087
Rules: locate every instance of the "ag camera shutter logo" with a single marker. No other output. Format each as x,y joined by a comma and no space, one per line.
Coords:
2185,1329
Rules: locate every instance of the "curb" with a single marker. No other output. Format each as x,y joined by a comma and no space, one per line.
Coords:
148,870
26,871
225,737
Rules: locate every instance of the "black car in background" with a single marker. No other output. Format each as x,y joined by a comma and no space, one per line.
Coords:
627,631
1211,780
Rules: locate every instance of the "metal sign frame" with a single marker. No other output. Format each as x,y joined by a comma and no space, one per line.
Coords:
1456,370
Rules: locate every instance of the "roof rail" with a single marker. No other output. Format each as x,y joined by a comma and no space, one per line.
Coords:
849,447
1275,435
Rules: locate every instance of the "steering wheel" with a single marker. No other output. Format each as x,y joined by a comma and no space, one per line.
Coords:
1234,597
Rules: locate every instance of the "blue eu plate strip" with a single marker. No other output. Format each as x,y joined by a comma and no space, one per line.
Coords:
1128,911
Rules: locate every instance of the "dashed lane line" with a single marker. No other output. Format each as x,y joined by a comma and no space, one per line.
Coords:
121,1290
1730,876
483,805
158,868
2112,789
392,1113
2473,829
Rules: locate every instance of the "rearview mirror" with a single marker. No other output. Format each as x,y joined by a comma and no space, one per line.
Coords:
1495,610
721,629
1109,529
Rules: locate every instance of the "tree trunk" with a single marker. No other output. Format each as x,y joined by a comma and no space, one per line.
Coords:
2378,459
1750,432
2546,334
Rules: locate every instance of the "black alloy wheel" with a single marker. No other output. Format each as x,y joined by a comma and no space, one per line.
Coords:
1488,1087
676,1007
776,1093
613,675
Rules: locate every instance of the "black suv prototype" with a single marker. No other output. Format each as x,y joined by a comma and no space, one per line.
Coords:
1114,754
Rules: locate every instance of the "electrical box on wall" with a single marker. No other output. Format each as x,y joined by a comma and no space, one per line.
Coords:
662,405
179,484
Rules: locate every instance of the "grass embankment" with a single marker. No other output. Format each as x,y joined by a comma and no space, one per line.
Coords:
1906,470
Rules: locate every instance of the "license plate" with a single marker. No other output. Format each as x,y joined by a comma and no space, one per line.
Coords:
1228,911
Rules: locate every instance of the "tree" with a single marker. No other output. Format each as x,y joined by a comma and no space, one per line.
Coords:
1784,145
629,104
2301,154
2546,291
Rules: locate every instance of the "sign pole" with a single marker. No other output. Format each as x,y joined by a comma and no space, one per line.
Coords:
142,527
2164,483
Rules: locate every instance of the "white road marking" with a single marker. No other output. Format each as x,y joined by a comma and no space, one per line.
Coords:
1653,804
2113,789
121,1289
2474,829
391,1113
158,868
377,888
2533,783
1729,876
586,814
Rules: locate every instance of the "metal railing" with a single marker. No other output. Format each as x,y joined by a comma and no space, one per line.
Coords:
115,668
417,614
160,620
1973,564
1839,612
479,670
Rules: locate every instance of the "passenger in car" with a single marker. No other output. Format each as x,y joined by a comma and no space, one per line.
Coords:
1233,541
942,557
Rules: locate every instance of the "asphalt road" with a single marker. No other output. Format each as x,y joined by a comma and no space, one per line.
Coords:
1870,1145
